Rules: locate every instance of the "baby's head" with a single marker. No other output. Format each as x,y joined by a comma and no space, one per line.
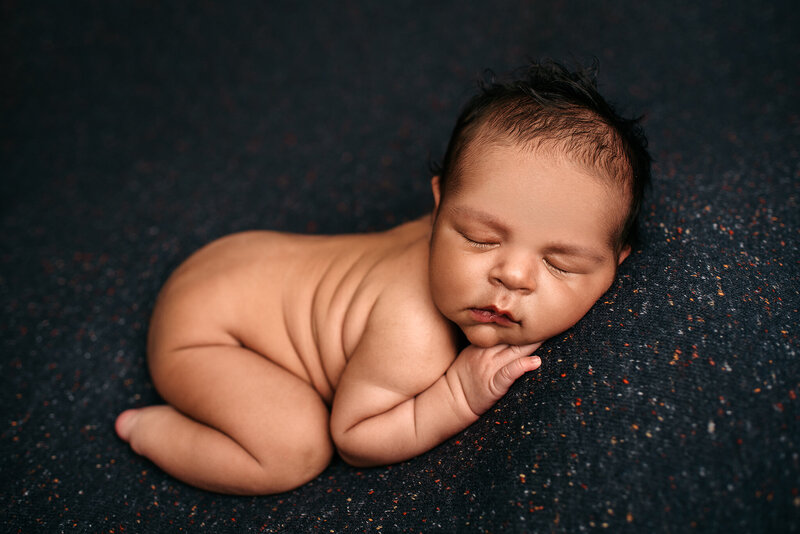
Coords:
560,112
536,206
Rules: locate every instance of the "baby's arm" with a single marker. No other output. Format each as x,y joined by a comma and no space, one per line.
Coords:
404,391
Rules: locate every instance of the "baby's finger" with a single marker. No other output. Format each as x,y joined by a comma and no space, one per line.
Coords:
527,350
510,372
514,352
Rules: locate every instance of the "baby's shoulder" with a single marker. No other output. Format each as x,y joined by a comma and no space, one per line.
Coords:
405,342
404,312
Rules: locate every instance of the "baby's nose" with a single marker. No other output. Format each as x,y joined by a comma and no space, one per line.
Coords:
516,275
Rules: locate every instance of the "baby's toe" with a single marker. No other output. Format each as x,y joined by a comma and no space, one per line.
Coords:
125,422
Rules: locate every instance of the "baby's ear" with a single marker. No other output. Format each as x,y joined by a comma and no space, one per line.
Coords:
624,253
437,193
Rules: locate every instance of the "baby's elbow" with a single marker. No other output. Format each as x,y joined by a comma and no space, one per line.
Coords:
348,450
354,459
351,447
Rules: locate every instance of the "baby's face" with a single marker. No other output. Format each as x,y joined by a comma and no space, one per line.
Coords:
523,248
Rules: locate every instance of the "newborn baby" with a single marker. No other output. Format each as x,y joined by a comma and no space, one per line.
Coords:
274,350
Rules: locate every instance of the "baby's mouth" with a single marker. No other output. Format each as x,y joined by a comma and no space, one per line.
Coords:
492,315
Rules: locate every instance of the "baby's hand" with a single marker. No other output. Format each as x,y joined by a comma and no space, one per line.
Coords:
486,374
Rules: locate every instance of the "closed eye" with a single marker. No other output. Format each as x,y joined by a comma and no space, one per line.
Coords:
557,270
478,244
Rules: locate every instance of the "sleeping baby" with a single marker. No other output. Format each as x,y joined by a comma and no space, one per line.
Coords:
274,350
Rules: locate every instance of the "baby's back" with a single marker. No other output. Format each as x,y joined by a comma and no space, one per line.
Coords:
301,301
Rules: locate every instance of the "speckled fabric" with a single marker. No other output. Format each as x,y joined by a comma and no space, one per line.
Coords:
135,132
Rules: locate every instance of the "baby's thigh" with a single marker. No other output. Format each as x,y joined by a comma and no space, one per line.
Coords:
277,417
204,371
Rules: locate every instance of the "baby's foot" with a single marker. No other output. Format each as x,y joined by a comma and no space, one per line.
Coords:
125,423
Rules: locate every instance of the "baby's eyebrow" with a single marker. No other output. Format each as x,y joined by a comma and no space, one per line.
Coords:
565,249
481,216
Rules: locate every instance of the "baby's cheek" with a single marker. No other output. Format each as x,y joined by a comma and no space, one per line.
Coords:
574,314
555,320
445,295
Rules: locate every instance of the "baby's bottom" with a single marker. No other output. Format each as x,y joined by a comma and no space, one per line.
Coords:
236,422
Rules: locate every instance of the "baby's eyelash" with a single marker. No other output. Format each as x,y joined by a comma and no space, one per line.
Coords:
477,244
553,267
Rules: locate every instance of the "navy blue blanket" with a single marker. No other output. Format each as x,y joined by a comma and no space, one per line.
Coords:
133,133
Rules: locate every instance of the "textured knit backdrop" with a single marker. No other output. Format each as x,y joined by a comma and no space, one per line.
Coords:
135,132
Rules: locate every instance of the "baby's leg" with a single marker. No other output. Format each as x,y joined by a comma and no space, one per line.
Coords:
237,423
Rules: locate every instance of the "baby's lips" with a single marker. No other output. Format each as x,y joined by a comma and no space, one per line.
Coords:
507,314
493,314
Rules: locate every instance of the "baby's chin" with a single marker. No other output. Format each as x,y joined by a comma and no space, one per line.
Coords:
486,337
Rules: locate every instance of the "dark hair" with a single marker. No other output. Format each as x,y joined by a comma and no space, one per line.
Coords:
547,105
